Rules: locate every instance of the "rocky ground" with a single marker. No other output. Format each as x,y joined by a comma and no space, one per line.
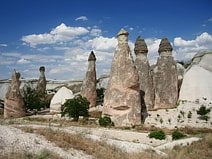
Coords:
13,139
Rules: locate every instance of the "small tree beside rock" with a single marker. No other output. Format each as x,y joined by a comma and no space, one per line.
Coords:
76,107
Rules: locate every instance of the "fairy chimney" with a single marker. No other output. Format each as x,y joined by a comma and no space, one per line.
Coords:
165,77
122,98
41,86
145,76
88,89
13,102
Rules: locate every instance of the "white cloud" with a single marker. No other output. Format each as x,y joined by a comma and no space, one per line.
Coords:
186,49
3,45
96,32
61,33
210,19
83,18
22,61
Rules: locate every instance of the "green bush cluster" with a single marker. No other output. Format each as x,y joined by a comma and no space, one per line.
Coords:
73,108
177,135
157,135
105,121
203,113
34,99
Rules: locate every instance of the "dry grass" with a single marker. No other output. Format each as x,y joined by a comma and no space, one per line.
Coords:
44,154
101,150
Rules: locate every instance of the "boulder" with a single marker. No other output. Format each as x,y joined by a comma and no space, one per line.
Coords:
13,102
165,78
60,98
122,100
197,79
89,84
144,72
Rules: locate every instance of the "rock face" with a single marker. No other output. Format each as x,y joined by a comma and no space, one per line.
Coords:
165,77
197,79
122,98
145,76
41,86
89,84
60,98
13,103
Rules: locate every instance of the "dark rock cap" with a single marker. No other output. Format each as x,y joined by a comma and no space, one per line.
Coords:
165,45
140,46
42,68
92,57
122,32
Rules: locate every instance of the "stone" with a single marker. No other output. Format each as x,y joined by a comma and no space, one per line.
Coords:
122,100
13,102
165,78
41,85
144,72
197,79
59,99
89,84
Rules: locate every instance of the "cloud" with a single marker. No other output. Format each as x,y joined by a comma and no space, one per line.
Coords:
61,33
210,19
186,49
3,45
83,18
22,61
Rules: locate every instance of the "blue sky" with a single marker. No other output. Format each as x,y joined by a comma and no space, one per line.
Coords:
60,34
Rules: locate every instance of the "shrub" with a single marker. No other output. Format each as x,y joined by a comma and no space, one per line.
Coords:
157,135
189,114
33,99
203,113
78,106
105,121
177,135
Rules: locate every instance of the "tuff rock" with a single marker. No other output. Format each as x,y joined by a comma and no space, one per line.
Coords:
165,77
122,98
89,84
13,102
144,72
41,85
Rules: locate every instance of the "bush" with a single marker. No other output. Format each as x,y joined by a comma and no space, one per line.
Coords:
78,106
177,135
33,99
105,121
157,135
203,113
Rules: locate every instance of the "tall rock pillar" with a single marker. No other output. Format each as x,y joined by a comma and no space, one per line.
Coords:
13,102
122,98
165,77
41,86
88,89
145,76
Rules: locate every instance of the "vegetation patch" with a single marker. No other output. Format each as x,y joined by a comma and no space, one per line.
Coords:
177,135
160,135
105,121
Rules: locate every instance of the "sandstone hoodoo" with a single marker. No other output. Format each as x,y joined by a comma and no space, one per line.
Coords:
145,76
165,77
122,98
41,86
89,84
13,102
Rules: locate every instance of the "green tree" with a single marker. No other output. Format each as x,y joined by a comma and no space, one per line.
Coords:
34,99
73,108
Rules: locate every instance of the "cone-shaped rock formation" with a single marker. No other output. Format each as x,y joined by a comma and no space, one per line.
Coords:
122,98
